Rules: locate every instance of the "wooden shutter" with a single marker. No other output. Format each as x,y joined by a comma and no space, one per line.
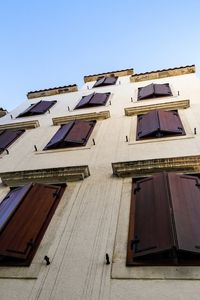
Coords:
85,100
99,82
185,195
147,124
22,234
79,133
110,80
162,90
150,226
38,108
10,202
8,136
58,138
170,122
146,92
99,99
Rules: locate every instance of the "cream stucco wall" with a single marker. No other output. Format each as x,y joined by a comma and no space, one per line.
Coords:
88,216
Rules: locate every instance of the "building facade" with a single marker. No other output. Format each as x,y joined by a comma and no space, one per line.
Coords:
118,162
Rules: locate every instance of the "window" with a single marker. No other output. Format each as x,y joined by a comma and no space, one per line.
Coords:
159,123
95,99
8,136
154,90
72,134
37,109
164,221
103,81
24,216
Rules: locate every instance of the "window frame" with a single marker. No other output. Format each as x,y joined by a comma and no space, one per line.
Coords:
153,94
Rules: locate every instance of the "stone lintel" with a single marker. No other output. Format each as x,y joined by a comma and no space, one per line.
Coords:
21,125
53,91
87,117
162,73
109,74
51,176
142,109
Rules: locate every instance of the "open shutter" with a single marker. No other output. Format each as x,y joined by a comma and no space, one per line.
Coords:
99,82
146,92
23,232
58,138
185,195
162,90
110,80
151,231
38,108
79,133
170,122
84,102
8,136
10,202
147,124
99,99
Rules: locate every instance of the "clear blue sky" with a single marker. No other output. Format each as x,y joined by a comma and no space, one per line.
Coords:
47,43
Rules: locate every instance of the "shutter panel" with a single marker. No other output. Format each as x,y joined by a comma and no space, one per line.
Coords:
42,107
10,202
58,138
152,229
99,99
24,231
170,122
146,92
162,90
110,80
185,195
9,136
84,102
80,133
99,82
147,124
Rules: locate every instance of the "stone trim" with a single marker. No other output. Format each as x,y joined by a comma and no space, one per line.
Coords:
21,125
163,73
142,109
53,175
87,117
109,74
53,91
185,164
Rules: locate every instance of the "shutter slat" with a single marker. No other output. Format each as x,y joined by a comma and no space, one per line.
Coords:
24,231
162,90
147,125
59,136
170,122
8,137
185,194
146,92
79,133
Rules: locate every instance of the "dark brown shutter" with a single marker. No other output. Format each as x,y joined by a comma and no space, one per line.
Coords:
105,81
185,195
146,92
38,108
80,132
170,122
162,90
150,227
8,136
99,99
58,138
23,232
99,82
147,124
84,102
10,202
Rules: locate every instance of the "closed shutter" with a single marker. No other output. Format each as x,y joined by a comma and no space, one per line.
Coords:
150,228
8,136
22,234
37,108
58,138
146,92
99,99
162,90
80,133
84,102
185,195
170,122
105,81
147,124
